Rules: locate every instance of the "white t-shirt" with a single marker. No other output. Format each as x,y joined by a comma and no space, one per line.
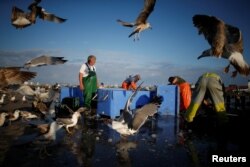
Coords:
85,70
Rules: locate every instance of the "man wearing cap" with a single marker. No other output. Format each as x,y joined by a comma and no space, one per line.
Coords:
130,82
88,80
185,91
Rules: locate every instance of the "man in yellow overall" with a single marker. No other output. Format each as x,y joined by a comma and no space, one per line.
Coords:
207,82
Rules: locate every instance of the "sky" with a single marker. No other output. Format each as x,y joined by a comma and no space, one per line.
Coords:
170,48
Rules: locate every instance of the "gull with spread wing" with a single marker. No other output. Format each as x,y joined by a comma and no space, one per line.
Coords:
141,23
225,40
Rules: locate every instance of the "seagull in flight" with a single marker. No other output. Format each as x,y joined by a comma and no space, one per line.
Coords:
129,123
225,40
44,60
13,75
141,23
21,19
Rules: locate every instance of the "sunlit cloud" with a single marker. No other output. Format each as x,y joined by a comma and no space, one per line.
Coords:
112,67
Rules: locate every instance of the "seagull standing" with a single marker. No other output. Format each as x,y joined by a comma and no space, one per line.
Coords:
47,139
14,116
2,99
70,122
24,99
226,41
44,60
2,118
13,99
141,23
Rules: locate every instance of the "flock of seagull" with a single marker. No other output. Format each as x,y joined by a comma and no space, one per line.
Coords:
15,75
41,116
21,19
226,41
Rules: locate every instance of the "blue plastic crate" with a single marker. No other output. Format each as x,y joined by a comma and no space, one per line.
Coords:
112,101
170,104
71,92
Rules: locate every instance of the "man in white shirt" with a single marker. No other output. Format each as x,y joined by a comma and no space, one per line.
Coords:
88,80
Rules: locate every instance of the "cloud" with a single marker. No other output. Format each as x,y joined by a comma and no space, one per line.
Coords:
113,67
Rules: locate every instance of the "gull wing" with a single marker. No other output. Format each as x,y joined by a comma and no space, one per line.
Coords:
50,17
126,114
126,24
146,11
142,114
44,60
65,121
13,75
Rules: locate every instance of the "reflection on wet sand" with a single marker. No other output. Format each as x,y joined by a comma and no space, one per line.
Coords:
123,146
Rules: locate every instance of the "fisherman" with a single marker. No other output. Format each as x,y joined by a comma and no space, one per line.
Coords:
210,85
185,91
88,81
130,82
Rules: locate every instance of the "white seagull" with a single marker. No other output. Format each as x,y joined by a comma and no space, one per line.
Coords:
14,116
129,123
44,60
47,139
70,122
2,118
225,40
141,23
2,99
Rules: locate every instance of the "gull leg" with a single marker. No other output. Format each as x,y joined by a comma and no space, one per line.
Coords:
67,129
43,152
234,74
138,36
226,69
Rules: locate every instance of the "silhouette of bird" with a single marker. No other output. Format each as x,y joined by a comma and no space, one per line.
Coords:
20,19
13,75
129,123
44,60
225,40
141,23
